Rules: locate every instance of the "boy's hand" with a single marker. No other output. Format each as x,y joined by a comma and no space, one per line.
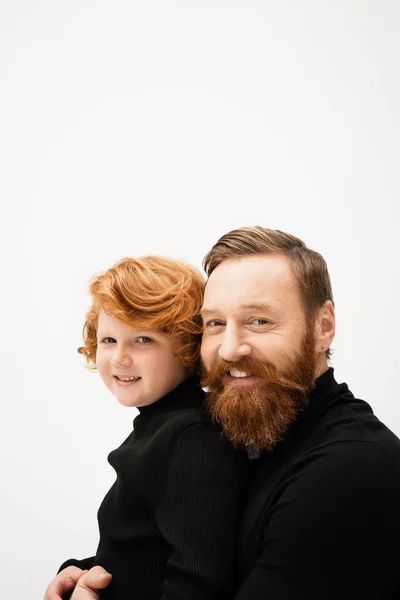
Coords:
89,584
65,581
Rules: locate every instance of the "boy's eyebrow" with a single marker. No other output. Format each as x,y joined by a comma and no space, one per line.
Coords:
206,311
100,334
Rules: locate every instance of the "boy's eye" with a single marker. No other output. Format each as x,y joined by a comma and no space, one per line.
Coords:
109,340
213,323
143,339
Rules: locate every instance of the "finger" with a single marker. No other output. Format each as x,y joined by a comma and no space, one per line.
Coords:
66,580
90,583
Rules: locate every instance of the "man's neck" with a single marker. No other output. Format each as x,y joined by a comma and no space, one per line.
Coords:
322,366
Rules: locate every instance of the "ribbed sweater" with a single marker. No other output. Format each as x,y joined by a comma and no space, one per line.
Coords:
322,516
168,524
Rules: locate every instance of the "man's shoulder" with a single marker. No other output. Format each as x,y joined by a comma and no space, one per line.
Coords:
342,417
348,434
358,458
343,478
346,447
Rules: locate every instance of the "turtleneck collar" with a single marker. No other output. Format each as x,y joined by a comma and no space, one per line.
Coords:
188,394
324,386
326,391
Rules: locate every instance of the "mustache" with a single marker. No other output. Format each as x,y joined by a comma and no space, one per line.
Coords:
214,378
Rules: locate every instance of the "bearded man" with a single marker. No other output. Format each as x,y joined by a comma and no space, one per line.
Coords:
321,512
321,518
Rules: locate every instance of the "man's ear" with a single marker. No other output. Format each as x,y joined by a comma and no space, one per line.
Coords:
325,327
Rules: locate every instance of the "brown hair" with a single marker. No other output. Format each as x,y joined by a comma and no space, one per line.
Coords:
308,266
150,292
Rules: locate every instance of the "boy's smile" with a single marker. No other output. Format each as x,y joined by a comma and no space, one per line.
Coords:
125,381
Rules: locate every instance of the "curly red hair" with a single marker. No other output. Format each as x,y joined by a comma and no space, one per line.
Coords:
150,292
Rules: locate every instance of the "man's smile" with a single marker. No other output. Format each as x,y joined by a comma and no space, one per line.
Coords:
240,378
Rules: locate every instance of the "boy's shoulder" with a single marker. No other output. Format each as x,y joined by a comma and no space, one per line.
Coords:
182,407
180,418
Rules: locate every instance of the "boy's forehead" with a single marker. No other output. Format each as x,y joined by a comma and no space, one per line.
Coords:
106,321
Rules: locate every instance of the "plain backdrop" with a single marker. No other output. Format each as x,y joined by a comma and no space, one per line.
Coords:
135,127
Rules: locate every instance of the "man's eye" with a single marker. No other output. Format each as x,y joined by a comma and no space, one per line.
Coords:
260,321
144,339
109,340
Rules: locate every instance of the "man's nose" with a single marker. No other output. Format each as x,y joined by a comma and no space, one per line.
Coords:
233,347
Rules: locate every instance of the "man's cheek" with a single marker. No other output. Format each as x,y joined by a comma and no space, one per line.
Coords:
203,356
209,352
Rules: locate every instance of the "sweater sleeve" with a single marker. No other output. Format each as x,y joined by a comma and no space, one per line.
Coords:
330,529
197,515
84,563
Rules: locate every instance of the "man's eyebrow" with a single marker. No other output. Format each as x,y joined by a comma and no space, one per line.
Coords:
252,306
257,306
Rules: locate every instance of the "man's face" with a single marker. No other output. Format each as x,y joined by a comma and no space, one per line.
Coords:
257,351
252,307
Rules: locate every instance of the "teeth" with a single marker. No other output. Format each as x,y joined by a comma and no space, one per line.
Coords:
127,378
235,373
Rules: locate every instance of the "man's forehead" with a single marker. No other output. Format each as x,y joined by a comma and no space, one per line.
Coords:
256,280
252,272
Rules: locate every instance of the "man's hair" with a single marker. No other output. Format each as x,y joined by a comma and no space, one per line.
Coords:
309,267
149,292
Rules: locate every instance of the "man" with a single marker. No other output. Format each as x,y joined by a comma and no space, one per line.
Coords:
321,516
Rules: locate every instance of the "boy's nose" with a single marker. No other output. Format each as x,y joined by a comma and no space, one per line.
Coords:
122,359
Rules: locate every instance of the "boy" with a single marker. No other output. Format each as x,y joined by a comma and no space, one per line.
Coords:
167,525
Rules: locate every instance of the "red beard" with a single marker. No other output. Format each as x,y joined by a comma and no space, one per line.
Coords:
260,415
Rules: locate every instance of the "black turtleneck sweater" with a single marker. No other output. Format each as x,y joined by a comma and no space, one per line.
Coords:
168,524
322,516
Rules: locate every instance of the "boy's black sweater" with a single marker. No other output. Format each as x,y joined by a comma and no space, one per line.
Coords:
168,524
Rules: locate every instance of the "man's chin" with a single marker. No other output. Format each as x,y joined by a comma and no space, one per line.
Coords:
255,410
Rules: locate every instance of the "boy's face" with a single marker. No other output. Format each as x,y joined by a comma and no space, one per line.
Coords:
139,366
